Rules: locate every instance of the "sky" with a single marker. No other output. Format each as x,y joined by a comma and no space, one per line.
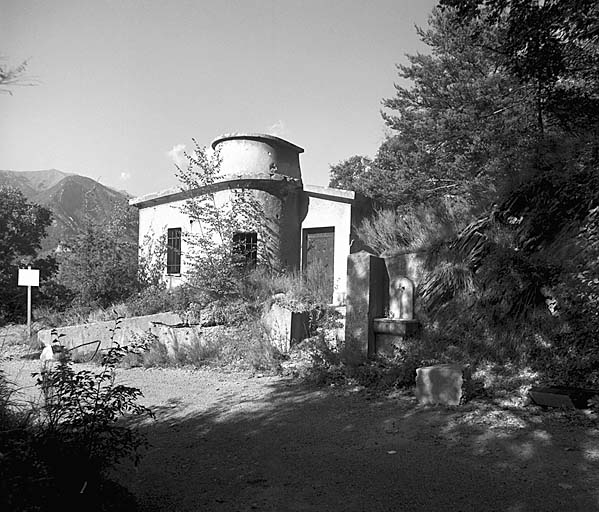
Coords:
124,85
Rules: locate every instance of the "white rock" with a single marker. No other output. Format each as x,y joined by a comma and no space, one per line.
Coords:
47,354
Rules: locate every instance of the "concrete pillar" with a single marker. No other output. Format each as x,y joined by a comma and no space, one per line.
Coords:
367,285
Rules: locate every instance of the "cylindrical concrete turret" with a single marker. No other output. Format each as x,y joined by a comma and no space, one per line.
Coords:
269,166
253,154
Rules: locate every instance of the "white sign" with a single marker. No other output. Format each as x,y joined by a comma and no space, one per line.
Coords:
29,277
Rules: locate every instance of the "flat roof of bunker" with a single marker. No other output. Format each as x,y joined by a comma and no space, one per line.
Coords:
260,137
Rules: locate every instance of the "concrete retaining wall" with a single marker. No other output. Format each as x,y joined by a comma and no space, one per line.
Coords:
75,335
178,336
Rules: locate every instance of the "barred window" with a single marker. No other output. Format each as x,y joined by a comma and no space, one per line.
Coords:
245,248
173,251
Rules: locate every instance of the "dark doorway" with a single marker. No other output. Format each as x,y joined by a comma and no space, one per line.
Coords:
318,254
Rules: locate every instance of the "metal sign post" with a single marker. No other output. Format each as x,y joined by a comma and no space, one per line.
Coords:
29,277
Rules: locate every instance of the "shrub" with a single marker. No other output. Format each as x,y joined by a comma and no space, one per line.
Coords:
100,263
571,355
413,228
151,300
59,455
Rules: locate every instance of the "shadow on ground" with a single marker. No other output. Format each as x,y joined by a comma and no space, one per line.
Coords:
293,447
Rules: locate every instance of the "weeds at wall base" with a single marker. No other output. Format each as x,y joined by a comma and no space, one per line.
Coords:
243,347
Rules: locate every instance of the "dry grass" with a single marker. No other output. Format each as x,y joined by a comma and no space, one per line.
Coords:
413,229
243,347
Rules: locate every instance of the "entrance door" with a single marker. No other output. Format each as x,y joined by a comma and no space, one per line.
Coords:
318,253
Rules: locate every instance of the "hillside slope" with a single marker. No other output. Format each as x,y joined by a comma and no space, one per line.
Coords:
73,200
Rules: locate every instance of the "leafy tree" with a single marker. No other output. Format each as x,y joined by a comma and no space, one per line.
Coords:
461,126
100,264
503,81
349,174
552,47
215,275
22,227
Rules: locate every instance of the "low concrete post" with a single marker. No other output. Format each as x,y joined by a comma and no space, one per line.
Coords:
285,327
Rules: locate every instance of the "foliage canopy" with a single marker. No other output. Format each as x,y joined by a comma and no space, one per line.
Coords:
22,227
100,265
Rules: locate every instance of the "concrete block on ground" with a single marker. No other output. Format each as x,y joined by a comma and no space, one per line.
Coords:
285,327
441,383
567,397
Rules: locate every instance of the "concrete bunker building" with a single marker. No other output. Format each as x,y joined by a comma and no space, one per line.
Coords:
306,224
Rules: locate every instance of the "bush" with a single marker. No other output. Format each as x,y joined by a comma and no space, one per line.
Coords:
248,291
151,300
414,228
57,456
572,354
100,265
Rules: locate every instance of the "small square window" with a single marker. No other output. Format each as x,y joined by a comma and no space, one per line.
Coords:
245,249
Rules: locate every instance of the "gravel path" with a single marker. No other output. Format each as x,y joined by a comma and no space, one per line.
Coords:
235,441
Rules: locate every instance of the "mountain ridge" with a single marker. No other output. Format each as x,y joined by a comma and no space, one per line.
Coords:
73,199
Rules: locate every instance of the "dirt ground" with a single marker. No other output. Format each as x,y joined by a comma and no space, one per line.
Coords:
233,441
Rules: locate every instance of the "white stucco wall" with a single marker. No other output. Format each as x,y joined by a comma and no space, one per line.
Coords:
154,221
326,208
329,207
153,224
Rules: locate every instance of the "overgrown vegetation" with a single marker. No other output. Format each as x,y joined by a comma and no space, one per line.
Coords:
500,118
57,454
22,227
490,168
242,347
99,266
